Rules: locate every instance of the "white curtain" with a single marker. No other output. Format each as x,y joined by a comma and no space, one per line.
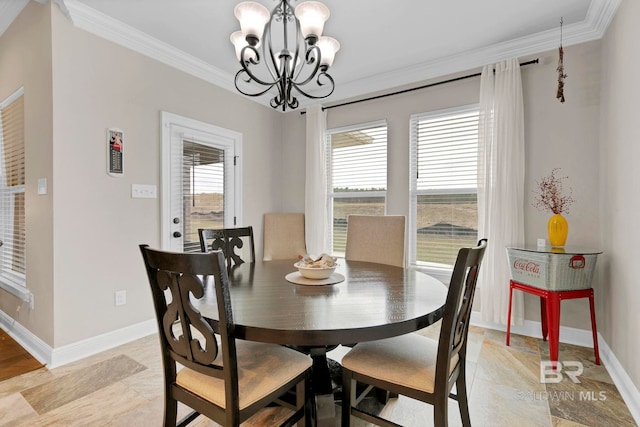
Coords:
316,232
500,186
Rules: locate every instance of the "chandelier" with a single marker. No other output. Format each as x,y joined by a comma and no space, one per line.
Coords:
298,63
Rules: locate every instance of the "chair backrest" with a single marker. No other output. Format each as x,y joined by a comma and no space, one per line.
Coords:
283,236
229,240
452,345
185,336
376,238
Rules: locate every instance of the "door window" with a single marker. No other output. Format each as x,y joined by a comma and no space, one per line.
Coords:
200,181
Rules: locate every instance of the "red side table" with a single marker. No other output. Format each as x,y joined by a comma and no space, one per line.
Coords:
550,314
553,275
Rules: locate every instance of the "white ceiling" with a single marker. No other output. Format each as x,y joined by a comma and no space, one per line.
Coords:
384,44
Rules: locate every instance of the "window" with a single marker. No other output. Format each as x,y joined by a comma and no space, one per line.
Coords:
357,176
444,208
12,200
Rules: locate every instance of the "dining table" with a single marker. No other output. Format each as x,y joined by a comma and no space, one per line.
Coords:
367,301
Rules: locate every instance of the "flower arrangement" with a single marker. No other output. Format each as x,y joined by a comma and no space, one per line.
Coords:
550,197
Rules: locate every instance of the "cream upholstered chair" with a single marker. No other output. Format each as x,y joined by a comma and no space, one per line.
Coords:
376,238
414,365
283,236
224,379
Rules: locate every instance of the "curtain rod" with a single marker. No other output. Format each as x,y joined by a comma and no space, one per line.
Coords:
533,61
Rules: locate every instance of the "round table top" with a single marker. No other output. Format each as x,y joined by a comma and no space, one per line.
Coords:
374,301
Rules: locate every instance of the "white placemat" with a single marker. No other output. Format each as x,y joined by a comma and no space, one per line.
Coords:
299,279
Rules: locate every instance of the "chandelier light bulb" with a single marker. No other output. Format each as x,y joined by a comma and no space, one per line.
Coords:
253,17
239,41
312,16
328,48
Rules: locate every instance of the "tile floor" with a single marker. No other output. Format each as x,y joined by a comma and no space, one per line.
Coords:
123,387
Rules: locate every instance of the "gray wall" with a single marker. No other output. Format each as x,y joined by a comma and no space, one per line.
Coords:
83,235
98,84
619,298
593,137
25,60
556,135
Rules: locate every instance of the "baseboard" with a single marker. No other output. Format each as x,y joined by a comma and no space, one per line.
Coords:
54,357
584,338
530,328
626,387
81,349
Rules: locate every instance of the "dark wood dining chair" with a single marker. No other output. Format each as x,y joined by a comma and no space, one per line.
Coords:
414,365
376,238
230,241
223,378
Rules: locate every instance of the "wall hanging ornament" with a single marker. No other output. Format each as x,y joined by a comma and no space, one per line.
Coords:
560,69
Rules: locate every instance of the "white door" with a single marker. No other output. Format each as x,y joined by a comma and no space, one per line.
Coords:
200,180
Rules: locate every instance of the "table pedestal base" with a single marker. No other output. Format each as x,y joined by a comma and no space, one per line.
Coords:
322,385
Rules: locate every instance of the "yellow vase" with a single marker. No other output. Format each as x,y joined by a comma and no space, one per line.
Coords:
558,228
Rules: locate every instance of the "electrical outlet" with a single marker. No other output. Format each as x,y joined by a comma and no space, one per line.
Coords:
542,243
42,185
121,297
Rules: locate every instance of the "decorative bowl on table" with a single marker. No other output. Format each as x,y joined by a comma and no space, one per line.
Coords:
321,268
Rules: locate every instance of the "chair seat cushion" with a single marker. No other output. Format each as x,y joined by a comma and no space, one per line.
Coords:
262,368
408,360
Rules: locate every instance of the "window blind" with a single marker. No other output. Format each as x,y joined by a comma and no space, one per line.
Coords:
444,150
12,201
357,176
203,182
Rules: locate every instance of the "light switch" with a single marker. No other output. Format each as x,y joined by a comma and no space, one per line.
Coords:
142,191
42,185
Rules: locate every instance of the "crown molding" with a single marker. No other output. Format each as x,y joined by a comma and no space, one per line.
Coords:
104,26
601,13
63,8
593,27
9,10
